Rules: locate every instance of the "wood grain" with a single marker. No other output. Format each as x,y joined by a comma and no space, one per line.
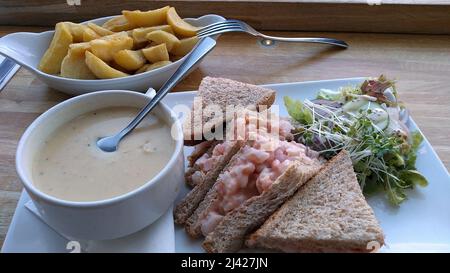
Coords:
8,202
392,16
420,63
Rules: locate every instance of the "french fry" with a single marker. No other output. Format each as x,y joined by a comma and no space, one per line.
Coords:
179,26
118,23
156,53
77,31
129,59
118,67
116,35
74,66
146,18
149,67
89,35
100,30
79,48
53,57
158,65
123,44
105,49
137,46
142,69
101,69
160,37
185,46
139,35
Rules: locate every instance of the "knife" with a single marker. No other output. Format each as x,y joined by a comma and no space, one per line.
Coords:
7,69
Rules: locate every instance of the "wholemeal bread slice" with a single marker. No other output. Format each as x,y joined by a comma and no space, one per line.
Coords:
206,178
205,147
190,202
193,224
328,214
229,235
223,93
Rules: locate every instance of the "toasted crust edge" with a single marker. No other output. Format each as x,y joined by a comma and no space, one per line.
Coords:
192,224
190,202
230,234
266,100
193,157
259,239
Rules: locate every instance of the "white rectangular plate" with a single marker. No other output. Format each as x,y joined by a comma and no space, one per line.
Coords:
420,224
28,233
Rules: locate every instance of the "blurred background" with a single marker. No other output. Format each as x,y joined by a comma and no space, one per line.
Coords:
382,16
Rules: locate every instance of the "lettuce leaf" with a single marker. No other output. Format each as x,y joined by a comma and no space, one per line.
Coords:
413,177
327,94
298,111
411,154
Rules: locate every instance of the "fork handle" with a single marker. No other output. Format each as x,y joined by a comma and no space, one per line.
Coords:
328,41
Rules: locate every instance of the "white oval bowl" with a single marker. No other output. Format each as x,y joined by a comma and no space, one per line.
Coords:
27,49
114,217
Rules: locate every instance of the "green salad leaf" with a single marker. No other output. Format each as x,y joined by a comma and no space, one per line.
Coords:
297,111
413,177
383,160
328,94
410,151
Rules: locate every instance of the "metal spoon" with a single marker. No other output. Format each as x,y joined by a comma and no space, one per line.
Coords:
110,143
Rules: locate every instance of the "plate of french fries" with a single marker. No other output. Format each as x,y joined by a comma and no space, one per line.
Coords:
134,51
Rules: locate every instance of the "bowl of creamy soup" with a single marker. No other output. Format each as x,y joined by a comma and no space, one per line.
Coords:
85,193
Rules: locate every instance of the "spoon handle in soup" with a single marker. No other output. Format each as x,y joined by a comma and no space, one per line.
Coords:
203,47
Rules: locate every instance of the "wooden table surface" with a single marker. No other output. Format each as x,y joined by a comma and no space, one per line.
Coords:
420,63
388,16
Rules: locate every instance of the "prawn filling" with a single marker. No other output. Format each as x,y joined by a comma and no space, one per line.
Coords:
254,125
207,162
252,172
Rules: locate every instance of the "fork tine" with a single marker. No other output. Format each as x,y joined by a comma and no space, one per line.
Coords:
208,32
234,21
212,25
219,31
238,22
217,23
215,26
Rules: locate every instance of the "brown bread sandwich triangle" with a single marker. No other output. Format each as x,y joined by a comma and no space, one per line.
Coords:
328,214
207,167
184,209
250,188
224,93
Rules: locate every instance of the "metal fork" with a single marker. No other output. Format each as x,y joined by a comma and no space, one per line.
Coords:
7,69
240,26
